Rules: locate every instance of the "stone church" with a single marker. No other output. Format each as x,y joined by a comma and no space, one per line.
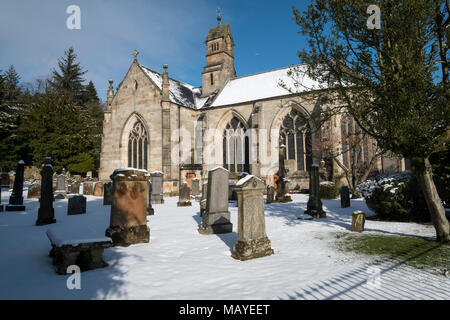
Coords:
157,123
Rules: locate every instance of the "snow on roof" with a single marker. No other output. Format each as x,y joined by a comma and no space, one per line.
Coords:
264,85
180,93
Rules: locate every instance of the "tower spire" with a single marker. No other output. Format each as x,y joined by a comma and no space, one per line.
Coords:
219,18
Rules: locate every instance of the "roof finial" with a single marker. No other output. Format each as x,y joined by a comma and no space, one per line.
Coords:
135,54
219,18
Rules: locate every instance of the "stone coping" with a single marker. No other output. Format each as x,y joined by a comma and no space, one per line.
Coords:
67,235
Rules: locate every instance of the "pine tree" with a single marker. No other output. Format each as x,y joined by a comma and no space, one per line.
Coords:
69,79
11,84
90,93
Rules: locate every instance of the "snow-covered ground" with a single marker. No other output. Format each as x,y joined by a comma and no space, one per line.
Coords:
179,263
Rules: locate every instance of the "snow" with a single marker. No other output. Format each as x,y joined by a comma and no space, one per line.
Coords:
244,180
179,263
70,235
262,86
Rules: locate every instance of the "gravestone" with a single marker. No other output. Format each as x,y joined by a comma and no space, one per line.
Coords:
358,221
128,221
88,188
61,187
203,200
34,190
314,205
196,188
107,193
76,205
78,178
46,212
89,175
345,196
157,187
282,182
270,194
98,189
4,180
231,193
216,217
75,187
12,177
16,198
184,199
252,241
150,210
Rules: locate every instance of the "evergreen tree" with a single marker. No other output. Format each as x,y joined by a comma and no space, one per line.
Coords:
11,84
392,80
90,93
69,79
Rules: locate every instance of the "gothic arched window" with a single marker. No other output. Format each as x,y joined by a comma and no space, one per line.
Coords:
137,147
295,134
235,147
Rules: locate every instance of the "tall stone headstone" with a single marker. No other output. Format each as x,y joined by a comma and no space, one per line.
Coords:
157,187
203,200
34,190
61,186
252,241
150,210
184,196
231,193
345,196
16,198
196,188
216,217
46,212
270,194
128,222
282,182
107,193
314,205
75,187
4,180
12,177
98,189
88,188
76,205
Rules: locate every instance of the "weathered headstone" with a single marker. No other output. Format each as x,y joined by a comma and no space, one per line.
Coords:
358,221
150,210
252,241
61,187
88,188
98,189
75,187
16,198
157,187
203,200
184,196
314,205
345,196
216,217
231,193
4,180
12,177
282,182
89,175
128,222
196,188
46,212
107,193
270,194
76,205
78,178
34,190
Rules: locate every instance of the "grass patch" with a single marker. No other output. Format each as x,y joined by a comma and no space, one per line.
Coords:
416,252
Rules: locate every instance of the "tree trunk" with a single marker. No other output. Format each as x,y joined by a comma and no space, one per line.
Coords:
422,170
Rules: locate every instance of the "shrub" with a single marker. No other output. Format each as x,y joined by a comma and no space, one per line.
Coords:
81,163
328,190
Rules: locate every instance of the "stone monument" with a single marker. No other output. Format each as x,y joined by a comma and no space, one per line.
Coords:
314,205
358,221
16,198
252,241
216,217
76,205
345,196
203,200
270,194
34,190
128,222
150,210
184,196
46,212
196,189
88,188
107,193
98,189
61,186
157,187
282,186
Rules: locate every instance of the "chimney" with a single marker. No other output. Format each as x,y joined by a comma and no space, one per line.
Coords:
165,85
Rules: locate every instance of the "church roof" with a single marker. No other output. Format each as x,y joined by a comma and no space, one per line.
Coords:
249,88
220,31
264,85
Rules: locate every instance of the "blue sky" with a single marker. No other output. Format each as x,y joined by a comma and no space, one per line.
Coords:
33,35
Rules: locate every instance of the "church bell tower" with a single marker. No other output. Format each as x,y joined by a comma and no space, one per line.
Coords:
219,58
